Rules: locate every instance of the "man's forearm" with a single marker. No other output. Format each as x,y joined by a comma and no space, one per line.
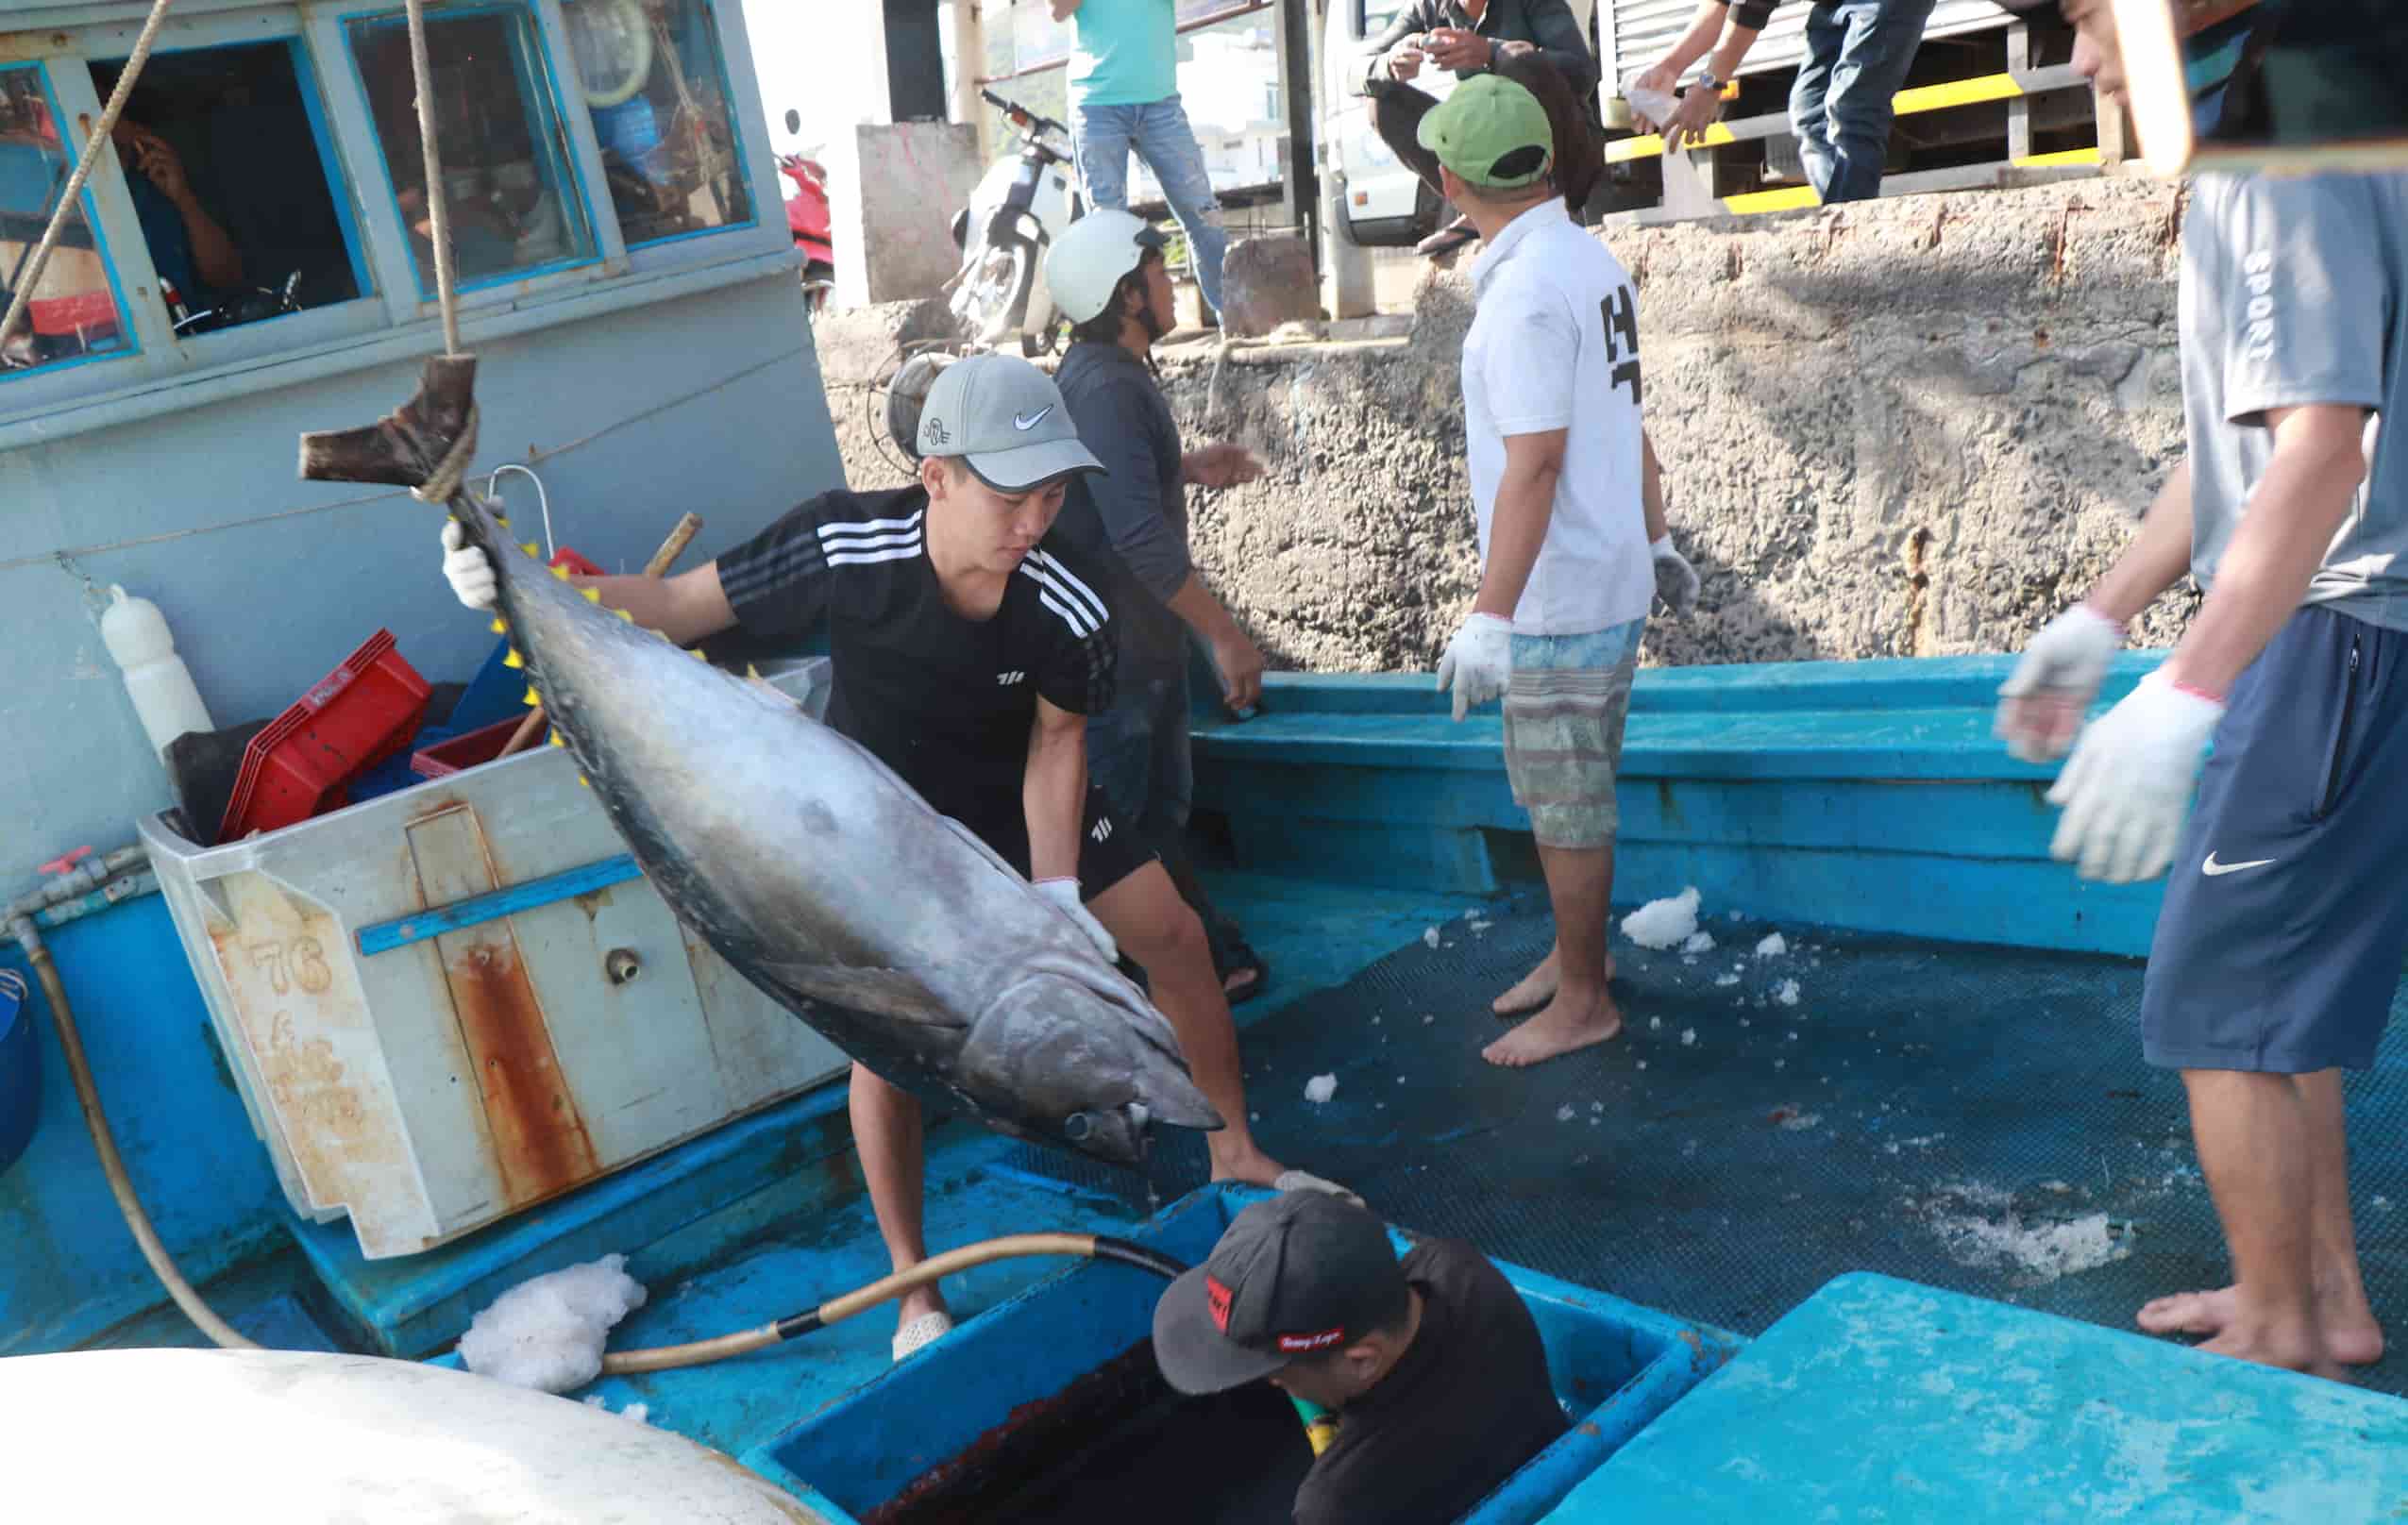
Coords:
1525,502
2156,559
1727,58
213,254
1052,792
1201,611
1651,490
1064,9
1705,29
684,608
2308,490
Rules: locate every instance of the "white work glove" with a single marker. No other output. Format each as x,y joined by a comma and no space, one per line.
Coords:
2128,785
1675,579
2042,702
465,568
1478,661
1064,893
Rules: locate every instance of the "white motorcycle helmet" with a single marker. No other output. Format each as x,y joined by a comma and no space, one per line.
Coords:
1086,264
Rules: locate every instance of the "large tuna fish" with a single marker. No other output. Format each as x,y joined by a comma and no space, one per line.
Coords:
805,861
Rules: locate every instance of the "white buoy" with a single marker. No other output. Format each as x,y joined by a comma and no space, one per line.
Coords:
137,636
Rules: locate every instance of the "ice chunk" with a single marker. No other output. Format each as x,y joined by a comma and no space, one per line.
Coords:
1772,946
640,1413
1430,937
1663,923
1563,1114
1654,1023
1787,994
1320,1088
1727,980
1689,1037
548,1334
1699,942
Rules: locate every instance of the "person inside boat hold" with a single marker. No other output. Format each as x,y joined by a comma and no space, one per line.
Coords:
1571,540
2280,942
1109,278
970,645
1432,1367
1537,44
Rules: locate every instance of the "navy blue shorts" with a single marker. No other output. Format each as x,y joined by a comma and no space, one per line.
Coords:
2287,917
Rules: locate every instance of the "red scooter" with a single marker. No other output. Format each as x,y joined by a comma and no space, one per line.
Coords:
807,220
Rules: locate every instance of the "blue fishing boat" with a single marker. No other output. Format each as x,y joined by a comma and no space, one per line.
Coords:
1849,1225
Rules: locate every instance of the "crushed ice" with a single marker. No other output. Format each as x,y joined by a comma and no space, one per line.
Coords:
547,1332
1661,924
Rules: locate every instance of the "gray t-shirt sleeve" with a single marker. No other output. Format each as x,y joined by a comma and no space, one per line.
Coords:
1116,425
2299,276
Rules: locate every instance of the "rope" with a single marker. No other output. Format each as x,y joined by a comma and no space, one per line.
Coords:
31,275
438,209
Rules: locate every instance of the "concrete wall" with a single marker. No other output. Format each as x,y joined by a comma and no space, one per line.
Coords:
892,195
1915,427
708,402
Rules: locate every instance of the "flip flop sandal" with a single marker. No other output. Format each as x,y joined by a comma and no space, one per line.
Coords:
925,1329
1249,961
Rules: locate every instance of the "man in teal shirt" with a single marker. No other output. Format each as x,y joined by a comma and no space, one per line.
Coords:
1124,95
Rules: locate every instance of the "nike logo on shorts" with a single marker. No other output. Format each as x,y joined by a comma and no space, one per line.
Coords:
1032,420
2216,870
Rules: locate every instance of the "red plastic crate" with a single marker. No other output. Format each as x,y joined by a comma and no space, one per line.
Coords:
303,763
473,749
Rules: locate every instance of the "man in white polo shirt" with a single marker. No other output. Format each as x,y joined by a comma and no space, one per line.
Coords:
1571,536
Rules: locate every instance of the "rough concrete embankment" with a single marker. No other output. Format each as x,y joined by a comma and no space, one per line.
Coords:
1911,429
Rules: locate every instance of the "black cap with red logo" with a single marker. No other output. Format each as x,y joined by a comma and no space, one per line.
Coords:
1294,1275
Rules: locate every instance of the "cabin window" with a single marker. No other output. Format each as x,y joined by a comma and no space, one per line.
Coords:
74,313
515,208
654,78
234,184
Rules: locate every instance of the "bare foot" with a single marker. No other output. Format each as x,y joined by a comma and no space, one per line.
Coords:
2296,1351
1249,1164
1536,988
1567,1025
2352,1336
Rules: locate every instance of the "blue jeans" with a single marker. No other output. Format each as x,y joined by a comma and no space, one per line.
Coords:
1856,56
1101,137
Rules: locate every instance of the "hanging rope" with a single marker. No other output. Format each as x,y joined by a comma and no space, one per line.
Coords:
445,482
438,209
31,276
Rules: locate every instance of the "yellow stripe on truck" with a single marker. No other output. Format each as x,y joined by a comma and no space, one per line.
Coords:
1790,199
1906,103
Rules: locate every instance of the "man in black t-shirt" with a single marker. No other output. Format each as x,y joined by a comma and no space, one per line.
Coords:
1433,1366
968,649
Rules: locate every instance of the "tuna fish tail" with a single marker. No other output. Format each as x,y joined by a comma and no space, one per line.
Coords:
425,445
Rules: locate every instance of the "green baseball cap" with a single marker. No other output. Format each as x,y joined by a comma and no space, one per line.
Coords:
1493,132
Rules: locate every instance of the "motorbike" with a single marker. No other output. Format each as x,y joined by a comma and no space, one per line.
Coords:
807,220
235,308
1024,202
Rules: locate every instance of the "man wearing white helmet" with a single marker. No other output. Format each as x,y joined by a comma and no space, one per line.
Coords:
1107,275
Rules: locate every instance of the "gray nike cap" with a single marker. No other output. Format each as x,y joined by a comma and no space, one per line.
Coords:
1006,420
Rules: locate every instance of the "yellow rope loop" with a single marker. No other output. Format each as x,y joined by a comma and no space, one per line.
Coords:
444,483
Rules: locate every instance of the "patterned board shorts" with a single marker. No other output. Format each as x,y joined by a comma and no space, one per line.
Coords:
1564,709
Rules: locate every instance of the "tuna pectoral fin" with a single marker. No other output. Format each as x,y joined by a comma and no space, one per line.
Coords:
888,992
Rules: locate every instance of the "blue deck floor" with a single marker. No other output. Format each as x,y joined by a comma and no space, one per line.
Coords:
1950,1116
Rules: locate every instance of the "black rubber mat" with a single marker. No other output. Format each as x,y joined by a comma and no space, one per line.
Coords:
1978,1120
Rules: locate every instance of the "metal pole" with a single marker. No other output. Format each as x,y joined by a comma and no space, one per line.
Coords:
1300,187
